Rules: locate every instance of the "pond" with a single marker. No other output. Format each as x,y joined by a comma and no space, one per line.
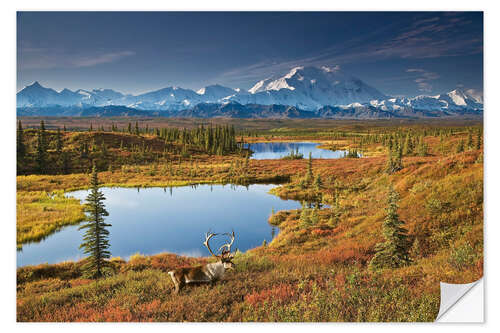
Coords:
276,150
175,220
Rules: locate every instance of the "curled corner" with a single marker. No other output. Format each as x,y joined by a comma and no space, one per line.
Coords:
451,293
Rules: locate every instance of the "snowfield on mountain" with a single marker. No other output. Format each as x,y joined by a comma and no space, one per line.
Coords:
308,89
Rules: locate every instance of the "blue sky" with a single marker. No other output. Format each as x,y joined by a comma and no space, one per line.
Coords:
400,53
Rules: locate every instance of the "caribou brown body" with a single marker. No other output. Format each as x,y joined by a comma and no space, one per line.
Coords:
208,273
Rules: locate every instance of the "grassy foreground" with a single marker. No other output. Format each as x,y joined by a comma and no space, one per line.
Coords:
316,269
40,213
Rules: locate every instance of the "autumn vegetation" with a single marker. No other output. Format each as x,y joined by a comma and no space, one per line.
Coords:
373,239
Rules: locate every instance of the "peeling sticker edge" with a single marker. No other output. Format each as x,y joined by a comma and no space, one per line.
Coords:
451,293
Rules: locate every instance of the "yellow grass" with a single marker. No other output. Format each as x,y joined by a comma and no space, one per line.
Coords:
41,213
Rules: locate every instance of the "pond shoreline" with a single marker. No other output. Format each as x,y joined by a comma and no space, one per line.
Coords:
188,210
125,181
282,149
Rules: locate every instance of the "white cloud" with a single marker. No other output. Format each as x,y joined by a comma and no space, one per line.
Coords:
424,78
30,57
89,61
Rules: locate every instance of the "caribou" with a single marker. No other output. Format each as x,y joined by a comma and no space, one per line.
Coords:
208,273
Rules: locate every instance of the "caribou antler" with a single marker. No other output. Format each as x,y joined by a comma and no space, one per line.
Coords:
209,235
228,245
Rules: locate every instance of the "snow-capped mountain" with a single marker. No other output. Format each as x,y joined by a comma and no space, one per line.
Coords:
215,93
308,89
455,100
97,96
170,98
35,95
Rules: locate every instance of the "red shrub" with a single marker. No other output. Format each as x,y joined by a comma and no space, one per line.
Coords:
322,232
79,282
281,294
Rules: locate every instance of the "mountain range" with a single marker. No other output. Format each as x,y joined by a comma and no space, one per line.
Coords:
304,92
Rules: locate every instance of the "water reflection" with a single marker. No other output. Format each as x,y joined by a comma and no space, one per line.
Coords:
276,150
150,220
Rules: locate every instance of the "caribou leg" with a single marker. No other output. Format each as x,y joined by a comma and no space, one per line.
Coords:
178,284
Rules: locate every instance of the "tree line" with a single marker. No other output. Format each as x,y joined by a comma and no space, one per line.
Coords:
42,151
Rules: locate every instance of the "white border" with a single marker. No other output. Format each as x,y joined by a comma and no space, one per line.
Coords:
492,139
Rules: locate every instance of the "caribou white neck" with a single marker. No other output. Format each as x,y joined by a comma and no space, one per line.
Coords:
214,271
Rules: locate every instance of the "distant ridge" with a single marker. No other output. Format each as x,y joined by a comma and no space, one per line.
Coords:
302,92
237,110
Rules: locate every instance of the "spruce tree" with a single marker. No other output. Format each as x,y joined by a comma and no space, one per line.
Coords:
407,145
305,219
394,160
318,183
478,140
393,252
390,163
309,174
398,160
422,147
95,240
416,250
314,217
41,149
247,159
460,146
21,147
59,143
470,144
335,211
65,162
